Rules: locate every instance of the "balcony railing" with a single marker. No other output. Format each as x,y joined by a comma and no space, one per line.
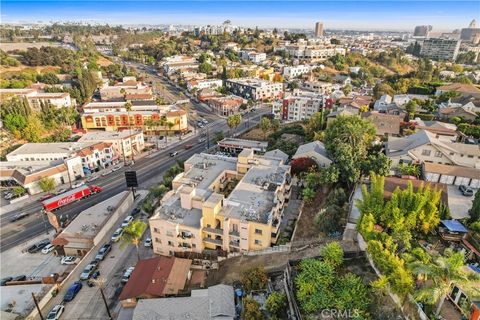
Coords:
234,244
213,241
234,233
213,230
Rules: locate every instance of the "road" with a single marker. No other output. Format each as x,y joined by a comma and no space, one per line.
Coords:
148,170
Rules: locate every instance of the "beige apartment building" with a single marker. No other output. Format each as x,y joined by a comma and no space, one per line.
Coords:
223,203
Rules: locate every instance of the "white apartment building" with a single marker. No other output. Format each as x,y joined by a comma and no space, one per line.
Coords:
255,89
313,52
204,84
124,143
295,71
255,57
440,49
35,97
317,86
178,62
301,105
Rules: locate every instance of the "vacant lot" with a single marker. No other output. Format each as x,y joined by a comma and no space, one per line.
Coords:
25,45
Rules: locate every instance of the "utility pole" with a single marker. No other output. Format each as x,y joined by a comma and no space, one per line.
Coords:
38,308
208,139
101,285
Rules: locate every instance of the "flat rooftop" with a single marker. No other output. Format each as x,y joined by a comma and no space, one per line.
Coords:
90,221
253,82
96,136
243,143
50,148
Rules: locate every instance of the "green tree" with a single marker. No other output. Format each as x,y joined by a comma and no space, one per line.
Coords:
444,272
47,184
332,254
265,126
411,108
14,122
132,234
205,68
308,194
254,279
276,303
34,129
19,191
251,309
381,89
475,210
275,124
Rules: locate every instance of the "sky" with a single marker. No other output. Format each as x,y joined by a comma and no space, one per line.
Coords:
360,15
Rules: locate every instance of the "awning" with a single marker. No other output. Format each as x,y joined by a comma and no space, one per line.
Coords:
454,226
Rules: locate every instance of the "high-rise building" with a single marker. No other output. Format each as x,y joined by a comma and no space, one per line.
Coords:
440,49
319,29
422,31
470,34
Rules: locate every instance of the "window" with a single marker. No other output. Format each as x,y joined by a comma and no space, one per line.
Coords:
170,233
194,245
470,156
157,240
170,243
258,231
438,154
156,230
258,242
426,152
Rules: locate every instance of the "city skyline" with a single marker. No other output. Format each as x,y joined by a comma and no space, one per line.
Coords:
442,15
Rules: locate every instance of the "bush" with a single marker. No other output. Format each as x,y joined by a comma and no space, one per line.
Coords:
255,279
251,310
332,254
276,303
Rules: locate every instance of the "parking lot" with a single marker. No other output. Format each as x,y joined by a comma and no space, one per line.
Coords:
458,203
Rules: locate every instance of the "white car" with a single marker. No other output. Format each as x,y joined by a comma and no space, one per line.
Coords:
106,173
68,260
148,242
48,248
127,221
116,168
117,234
56,312
78,184
127,274
92,178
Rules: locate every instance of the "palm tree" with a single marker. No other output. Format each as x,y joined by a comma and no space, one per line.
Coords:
128,107
132,234
441,274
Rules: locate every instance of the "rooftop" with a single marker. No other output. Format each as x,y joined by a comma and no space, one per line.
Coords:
50,148
253,82
243,143
108,135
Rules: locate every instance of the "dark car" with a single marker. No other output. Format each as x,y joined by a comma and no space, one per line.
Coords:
4,281
72,291
19,216
20,278
135,212
38,246
45,197
466,191
104,250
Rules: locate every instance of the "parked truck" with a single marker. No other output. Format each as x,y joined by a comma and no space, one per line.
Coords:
70,196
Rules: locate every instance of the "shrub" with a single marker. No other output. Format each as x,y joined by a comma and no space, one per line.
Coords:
276,303
332,254
255,279
251,310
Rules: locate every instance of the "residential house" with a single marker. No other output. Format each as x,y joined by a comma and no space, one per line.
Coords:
125,143
154,278
425,146
462,88
222,203
382,103
317,86
342,79
386,124
459,112
314,150
203,84
36,98
291,72
214,303
403,99
451,174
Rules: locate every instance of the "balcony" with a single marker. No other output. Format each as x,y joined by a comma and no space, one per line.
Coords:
235,244
234,233
213,241
213,230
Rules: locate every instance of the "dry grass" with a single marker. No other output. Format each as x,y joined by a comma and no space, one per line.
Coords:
103,62
254,134
9,71
306,228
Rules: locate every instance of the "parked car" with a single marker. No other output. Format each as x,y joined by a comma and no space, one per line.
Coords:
72,291
87,272
38,246
135,211
205,121
188,146
95,275
127,221
106,173
21,277
116,168
78,184
104,250
117,234
466,191
92,178
4,281
48,248
173,153
19,216
68,260
148,242
127,274
60,191
56,312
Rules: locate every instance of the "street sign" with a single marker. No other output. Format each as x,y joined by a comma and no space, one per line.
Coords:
131,179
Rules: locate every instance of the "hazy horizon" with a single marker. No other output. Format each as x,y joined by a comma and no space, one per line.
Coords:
353,15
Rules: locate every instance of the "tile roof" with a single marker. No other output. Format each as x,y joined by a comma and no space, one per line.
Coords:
384,123
460,87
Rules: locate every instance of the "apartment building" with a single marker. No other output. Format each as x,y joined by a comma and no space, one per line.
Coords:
222,203
425,146
226,106
440,49
178,62
255,89
35,97
317,86
295,71
124,143
121,120
253,56
126,91
203,84
302,105
314,52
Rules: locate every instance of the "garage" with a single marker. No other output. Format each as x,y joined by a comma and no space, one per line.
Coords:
451,175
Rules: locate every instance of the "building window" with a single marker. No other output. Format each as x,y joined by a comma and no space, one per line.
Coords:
426,152
169,233
170,243
258,231
470,156
438,154
258,242
156,230
157,240
194,245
